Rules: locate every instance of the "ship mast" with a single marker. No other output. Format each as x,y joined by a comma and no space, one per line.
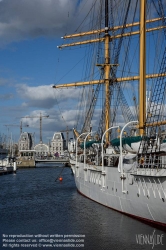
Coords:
107,72
142,82
106,39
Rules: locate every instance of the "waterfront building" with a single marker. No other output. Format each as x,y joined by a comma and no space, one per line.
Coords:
25,141
42,150
58,143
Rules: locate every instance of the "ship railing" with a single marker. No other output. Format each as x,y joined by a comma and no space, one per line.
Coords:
152,161
152,166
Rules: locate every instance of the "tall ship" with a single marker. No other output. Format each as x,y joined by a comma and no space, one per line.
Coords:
119,154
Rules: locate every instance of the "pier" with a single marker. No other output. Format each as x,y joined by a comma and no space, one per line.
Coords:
28,159
53,160
31,163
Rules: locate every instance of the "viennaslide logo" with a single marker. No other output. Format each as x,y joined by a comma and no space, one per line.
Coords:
150,239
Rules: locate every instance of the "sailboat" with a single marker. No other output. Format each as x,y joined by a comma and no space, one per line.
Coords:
122,164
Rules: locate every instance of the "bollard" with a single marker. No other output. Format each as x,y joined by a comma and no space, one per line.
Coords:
14,167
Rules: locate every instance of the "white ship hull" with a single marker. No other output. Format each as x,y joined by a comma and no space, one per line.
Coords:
141,195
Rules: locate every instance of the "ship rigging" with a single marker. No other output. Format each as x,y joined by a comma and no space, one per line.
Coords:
126,159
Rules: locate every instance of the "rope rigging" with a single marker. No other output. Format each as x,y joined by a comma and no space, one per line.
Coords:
155,109
92,93
120,99
119,47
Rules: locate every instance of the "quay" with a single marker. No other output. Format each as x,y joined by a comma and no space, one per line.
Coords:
28,159
31,163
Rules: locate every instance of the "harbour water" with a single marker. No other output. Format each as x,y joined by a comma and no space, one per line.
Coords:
37,211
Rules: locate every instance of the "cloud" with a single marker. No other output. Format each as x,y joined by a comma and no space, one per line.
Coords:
22,19
45,96
3,81
6,96
53,123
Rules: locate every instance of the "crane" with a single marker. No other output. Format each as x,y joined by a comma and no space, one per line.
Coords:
16,125
67,134
40,117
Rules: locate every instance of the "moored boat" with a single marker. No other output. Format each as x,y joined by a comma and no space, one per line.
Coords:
122,164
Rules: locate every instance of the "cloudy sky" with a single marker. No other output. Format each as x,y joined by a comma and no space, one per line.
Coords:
30,63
